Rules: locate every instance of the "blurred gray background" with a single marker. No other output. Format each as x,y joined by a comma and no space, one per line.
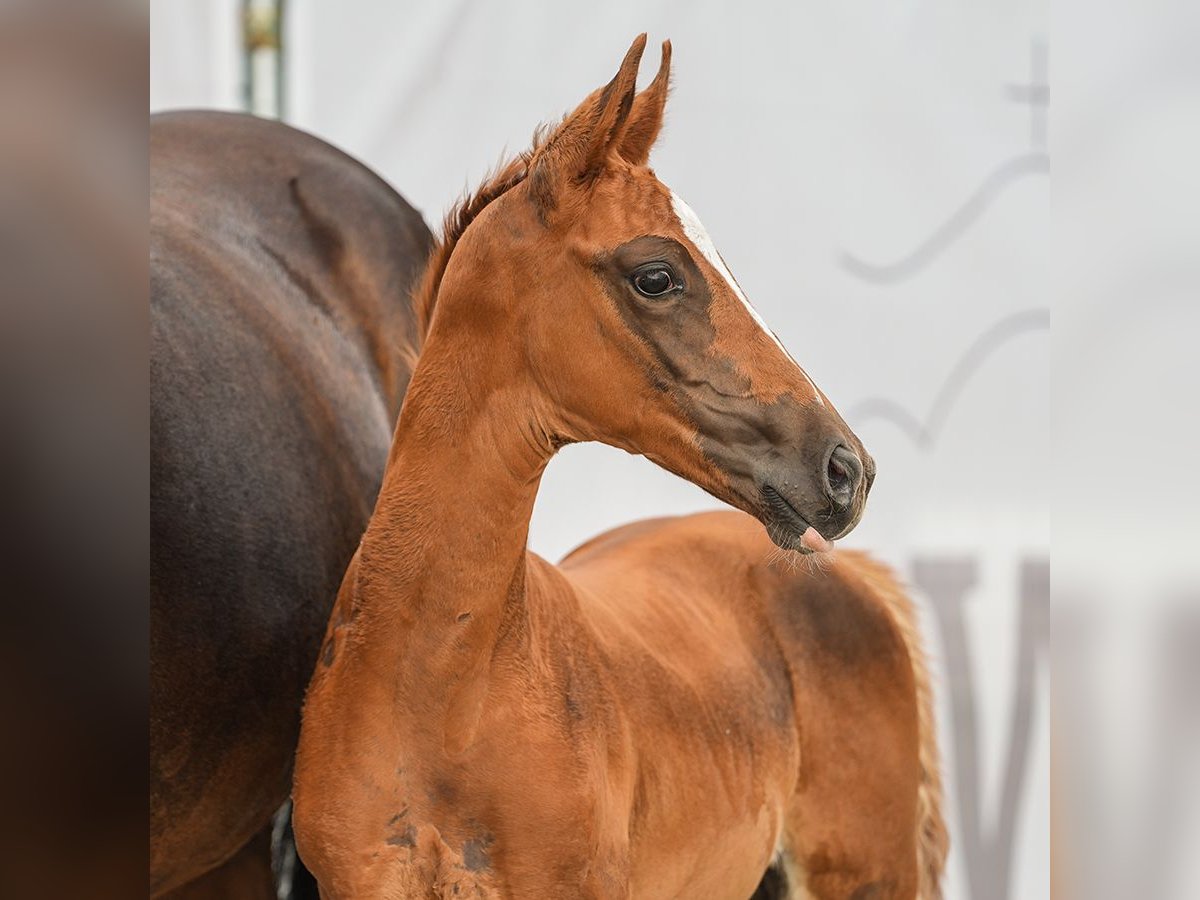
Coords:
877,178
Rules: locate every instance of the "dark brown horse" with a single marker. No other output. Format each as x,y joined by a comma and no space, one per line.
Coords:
281,334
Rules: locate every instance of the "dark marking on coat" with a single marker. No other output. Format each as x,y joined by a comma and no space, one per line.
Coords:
406,838
575,694
444,791
843,622
475,856
574,707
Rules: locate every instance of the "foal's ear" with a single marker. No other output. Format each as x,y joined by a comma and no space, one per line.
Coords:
578,149
646,117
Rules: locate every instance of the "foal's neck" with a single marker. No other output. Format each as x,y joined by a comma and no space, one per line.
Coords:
441,572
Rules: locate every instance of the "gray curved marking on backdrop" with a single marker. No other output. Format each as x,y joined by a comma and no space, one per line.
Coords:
953,228
924,433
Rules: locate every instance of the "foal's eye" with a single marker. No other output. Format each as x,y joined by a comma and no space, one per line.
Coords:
654,281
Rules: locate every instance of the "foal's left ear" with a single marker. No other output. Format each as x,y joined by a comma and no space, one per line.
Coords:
646,117
579,148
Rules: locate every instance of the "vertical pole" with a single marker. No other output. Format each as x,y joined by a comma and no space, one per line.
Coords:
263,82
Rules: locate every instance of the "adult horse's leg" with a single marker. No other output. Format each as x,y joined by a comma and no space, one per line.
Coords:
246,876
292,879
304,885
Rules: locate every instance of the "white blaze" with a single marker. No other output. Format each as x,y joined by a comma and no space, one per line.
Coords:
695,231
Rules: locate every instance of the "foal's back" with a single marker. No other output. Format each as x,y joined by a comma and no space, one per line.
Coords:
795,684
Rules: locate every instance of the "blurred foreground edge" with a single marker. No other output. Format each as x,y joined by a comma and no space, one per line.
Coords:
73,449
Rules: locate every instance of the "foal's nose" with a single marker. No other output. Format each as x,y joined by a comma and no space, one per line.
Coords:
843,473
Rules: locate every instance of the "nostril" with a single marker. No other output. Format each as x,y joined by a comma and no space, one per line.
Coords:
843,471
839,475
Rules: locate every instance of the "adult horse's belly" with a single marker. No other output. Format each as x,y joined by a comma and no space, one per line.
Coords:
279,317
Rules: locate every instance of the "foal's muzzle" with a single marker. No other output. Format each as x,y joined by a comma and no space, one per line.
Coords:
830,500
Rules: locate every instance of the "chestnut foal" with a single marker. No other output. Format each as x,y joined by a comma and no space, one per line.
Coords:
666,714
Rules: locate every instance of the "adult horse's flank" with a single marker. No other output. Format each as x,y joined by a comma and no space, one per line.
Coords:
281,345
666,714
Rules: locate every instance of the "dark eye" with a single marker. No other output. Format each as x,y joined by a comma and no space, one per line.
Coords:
654,281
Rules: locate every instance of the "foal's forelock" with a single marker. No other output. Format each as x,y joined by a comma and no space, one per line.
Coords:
695,232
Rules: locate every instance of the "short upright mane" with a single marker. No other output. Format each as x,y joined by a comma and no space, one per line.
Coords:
498,182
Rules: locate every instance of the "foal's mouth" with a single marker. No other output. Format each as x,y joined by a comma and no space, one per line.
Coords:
787,528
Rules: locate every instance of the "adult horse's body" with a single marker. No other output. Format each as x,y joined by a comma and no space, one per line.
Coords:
281,349
666,714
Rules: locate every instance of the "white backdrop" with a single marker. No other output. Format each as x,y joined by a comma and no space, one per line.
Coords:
895,156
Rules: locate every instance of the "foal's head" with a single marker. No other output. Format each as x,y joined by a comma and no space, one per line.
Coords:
603,287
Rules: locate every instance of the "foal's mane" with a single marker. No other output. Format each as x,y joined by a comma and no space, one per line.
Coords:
503,178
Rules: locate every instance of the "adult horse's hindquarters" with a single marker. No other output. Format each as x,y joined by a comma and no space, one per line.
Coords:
280,337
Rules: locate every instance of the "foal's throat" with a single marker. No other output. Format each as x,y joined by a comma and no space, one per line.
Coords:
441,572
